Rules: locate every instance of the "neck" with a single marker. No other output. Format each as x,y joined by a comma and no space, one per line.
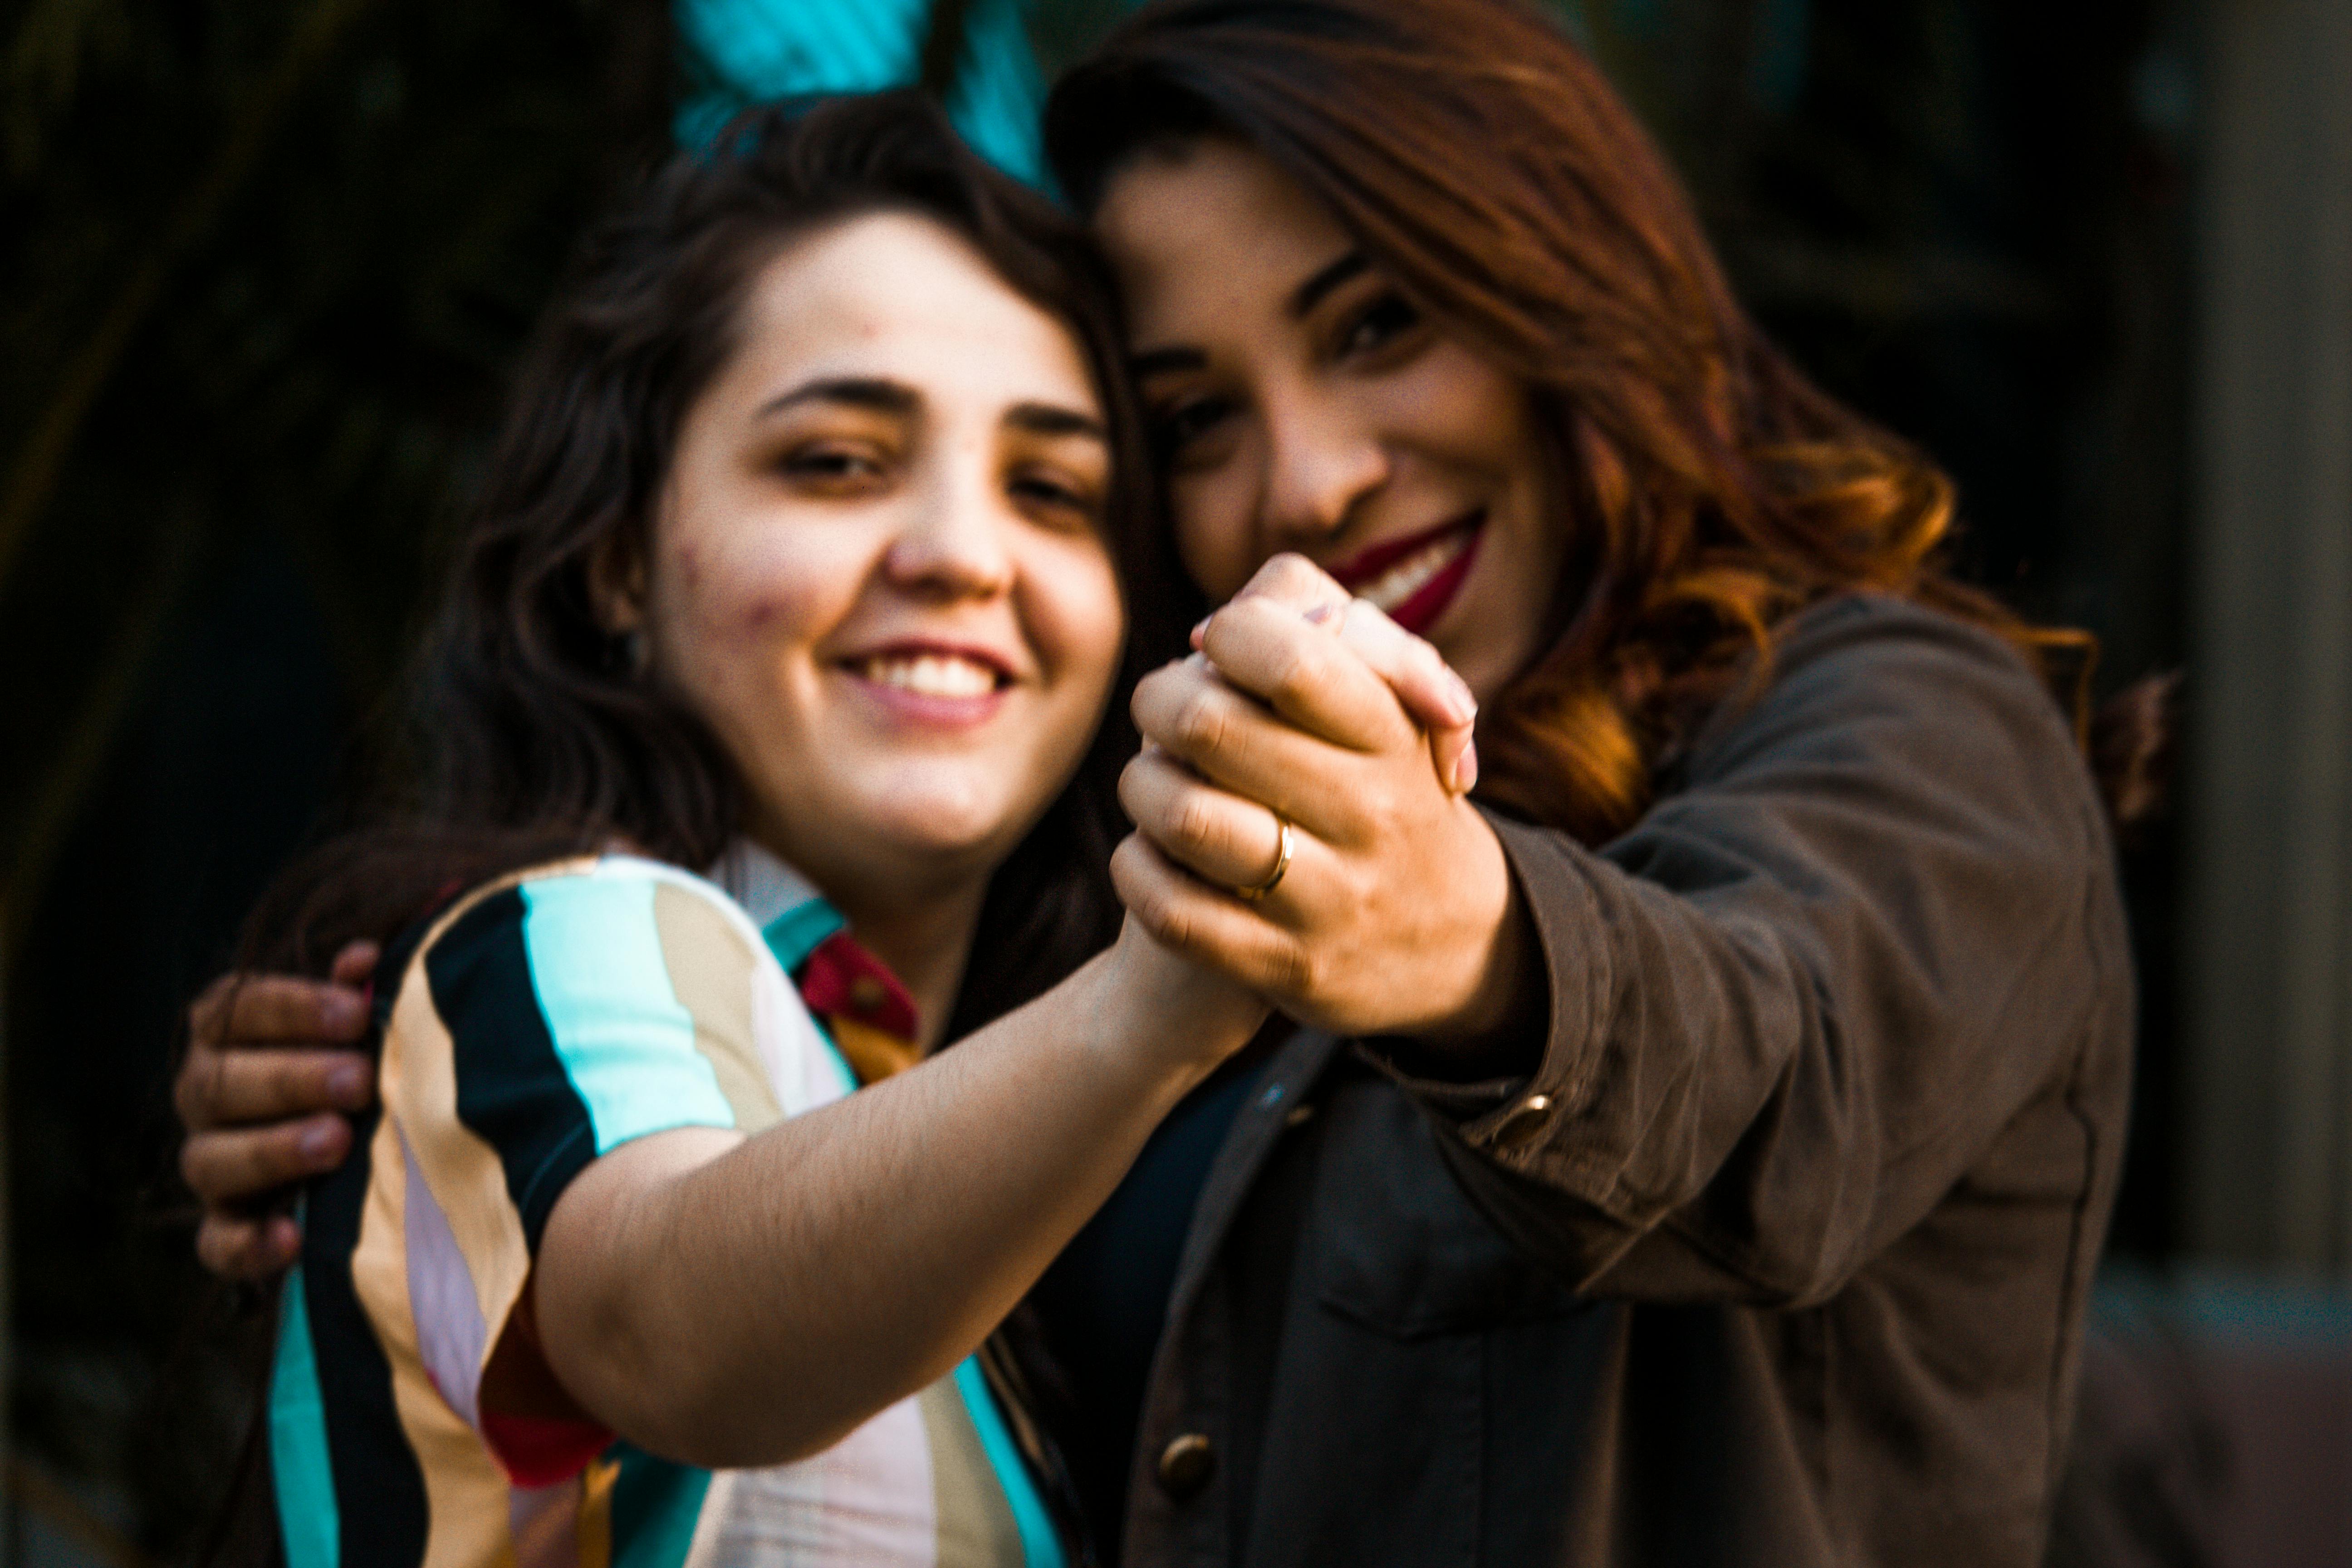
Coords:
917,914
926,942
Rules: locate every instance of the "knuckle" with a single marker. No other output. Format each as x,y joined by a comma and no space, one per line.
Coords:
1299,674
1151,906
206,1012
186,1094
214,1250
1291,968
1201,723
1291,576
193,1166
1193,824
205,1080
1178,927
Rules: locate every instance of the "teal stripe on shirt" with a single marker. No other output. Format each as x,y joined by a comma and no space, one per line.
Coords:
1040,1546
800,931
604,987
655,1506
300,1467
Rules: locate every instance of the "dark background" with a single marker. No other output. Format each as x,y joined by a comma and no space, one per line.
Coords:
267,263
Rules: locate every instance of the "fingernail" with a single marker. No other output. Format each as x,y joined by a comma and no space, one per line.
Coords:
347,1085
1466,770
318,1141
1199,629
1320,613
340,1012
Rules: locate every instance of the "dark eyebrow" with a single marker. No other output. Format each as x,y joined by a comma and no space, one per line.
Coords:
1047,419
1309,294
863,392
1303,299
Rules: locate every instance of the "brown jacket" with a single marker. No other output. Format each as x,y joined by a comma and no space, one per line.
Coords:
1779,1257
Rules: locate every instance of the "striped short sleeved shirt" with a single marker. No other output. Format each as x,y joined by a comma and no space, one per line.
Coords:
541,1021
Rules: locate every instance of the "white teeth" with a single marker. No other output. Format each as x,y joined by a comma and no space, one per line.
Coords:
931,675
1409,576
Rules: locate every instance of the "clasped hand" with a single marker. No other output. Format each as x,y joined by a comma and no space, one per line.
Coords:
1395,914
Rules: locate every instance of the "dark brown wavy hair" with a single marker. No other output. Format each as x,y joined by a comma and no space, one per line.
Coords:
521,732
1482,160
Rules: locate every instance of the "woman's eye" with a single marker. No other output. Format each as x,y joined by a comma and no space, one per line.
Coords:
831,463
1383,321
1061,496
1177,427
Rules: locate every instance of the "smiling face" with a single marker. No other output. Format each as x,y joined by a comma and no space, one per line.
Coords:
1303,402
878,570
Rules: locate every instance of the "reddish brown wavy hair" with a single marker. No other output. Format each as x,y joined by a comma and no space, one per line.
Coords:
1485,162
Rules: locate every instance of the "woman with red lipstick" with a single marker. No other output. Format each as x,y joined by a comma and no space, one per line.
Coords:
1741,1077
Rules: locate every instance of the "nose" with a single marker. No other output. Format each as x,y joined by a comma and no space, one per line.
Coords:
952,544
1322,463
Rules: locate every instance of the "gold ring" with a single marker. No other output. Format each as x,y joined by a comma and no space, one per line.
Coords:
1251,895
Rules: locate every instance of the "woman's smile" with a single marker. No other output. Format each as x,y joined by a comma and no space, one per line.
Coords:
878,572
1414,579
1304,402
930,684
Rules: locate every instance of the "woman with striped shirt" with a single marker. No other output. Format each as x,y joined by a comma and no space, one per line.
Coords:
789,612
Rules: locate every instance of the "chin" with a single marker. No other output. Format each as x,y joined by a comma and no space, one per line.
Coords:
951,823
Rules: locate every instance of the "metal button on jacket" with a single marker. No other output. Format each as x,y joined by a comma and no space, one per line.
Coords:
1186,1465
1524,1120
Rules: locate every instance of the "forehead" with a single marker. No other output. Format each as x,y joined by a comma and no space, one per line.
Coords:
901,296
1211,231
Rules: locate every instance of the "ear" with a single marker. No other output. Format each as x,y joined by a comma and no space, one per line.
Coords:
617,581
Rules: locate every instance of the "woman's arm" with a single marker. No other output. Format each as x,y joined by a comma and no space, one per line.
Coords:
732,1301
268,1078
1770,1028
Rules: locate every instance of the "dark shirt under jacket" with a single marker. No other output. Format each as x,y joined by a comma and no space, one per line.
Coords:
1779,1257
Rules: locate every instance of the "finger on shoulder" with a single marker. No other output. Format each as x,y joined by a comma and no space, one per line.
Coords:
355,964
229,1166
282,1010
220,1086
237,1246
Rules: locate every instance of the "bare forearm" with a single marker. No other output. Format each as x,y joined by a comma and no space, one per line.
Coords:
757,1307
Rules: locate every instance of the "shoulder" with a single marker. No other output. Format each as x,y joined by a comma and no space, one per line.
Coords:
599,922
639,989
1872,679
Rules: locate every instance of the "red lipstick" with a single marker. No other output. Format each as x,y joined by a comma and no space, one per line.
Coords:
1419,610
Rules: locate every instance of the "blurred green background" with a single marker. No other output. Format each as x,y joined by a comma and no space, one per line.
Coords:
267,263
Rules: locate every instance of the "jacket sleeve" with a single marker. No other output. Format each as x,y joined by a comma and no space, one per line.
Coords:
1791,1007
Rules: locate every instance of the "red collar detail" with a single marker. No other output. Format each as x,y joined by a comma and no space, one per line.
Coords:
842,980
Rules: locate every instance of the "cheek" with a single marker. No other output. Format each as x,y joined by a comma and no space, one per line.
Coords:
1465,410
1074,620
1216,536
730,605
